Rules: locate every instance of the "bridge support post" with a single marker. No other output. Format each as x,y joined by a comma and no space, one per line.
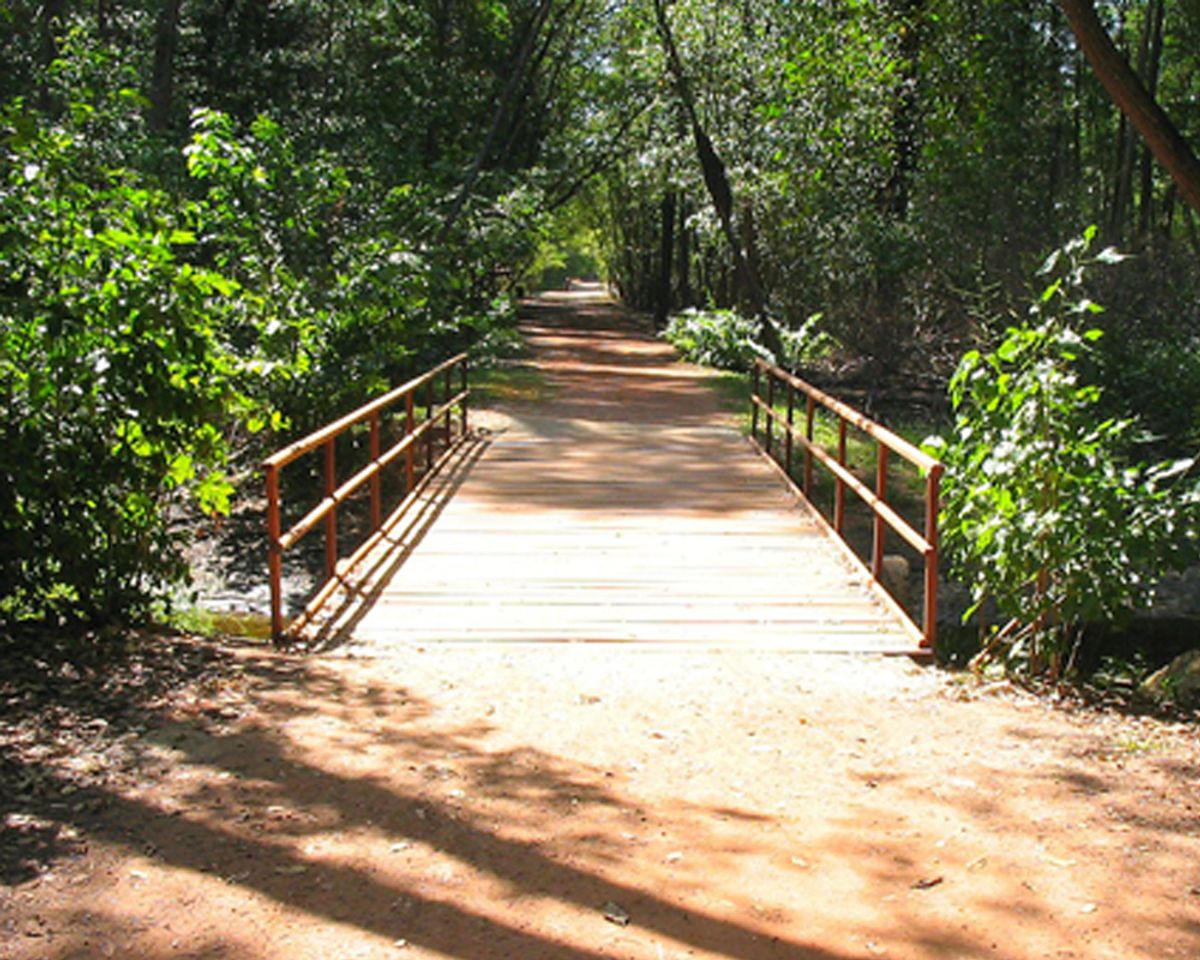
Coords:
839,485
462,368
331,545
410,465
753,402
880,531
787,437
376,480
932,509
274,552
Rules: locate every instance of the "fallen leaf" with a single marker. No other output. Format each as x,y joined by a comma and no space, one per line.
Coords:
927,883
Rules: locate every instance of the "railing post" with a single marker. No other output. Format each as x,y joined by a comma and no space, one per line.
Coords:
377,479
770,420
839,486
430,439
809,413
754,401
331,545
448,387
880,531
274,552
462,367
932,509
410,424
787,437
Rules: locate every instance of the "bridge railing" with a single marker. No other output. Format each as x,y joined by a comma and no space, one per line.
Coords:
782,390
423,408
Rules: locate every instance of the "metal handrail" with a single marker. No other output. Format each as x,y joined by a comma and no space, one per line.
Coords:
885,516
279,540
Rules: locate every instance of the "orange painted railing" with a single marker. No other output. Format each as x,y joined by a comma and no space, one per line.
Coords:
782,454
435,409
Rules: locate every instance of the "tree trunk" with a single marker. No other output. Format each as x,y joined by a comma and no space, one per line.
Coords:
50,22
1150,74
716,180
685,255
1134,100
666,253
507,97
905,109
162,83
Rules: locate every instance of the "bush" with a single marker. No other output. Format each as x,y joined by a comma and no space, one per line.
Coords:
728,341
123,363
1046,511
715,338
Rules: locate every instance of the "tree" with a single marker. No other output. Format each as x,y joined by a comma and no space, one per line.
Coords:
716,180
1135,101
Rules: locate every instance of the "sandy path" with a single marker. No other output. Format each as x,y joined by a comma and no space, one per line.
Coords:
493,803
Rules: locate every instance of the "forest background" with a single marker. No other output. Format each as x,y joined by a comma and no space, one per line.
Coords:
222,221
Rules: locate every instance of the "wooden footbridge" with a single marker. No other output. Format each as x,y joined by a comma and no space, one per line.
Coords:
617,505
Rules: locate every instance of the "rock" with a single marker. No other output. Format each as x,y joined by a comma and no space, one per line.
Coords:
895,578
1177,682
615,913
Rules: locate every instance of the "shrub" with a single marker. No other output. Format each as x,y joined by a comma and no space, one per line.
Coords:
1047,513
715,338
728,341
123,362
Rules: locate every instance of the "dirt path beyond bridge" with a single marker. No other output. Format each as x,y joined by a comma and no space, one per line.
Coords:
584,801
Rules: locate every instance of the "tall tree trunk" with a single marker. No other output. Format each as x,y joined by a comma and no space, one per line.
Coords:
666,253
1150,74
716,180
685,254
50,22
1123,156
1122,180
905,108
503,104
431,143
162,82
1134,100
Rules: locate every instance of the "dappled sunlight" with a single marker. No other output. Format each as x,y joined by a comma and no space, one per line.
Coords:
496,803
306,824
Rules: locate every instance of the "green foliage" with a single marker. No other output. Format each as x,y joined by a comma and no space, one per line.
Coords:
123,362
1047,513
728,341
715,338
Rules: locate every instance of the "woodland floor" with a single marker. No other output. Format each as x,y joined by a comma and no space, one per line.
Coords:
205,800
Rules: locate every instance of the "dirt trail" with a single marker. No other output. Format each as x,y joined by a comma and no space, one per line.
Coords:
577,801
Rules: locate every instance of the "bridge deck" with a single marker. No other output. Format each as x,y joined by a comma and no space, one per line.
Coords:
617,508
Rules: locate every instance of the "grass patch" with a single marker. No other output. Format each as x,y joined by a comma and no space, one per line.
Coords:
906,485
509,382
733,393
